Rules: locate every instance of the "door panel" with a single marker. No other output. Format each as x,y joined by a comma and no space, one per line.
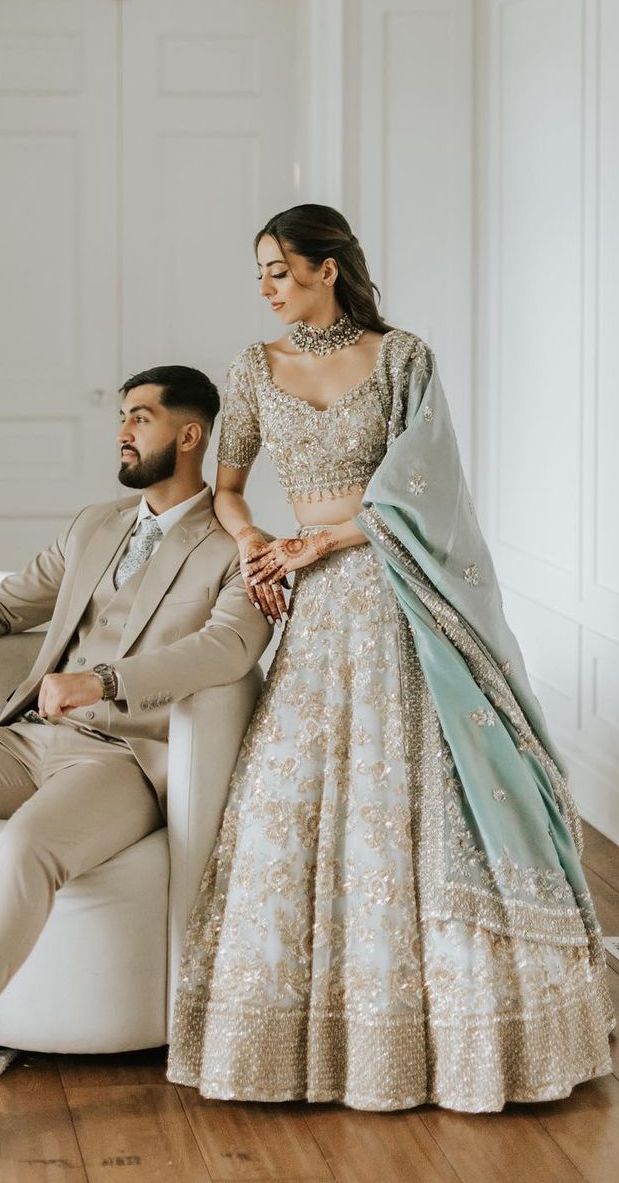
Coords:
58,236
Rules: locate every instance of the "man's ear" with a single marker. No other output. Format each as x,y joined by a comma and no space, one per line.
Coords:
191,436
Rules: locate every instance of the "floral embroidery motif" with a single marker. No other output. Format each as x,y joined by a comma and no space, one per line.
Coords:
428,414
483,717
417,484
506,668
471,574
499,794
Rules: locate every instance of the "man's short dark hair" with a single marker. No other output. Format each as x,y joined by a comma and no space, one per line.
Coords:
183,389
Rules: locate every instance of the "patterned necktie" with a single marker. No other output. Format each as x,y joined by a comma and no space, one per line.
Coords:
139,550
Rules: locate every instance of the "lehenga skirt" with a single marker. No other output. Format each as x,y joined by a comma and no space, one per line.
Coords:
318,961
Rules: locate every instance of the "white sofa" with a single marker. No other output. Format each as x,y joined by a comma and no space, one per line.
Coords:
102,975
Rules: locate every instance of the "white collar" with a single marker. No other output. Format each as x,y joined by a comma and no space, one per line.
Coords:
169,517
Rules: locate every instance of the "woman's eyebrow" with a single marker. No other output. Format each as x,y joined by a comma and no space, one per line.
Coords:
271,262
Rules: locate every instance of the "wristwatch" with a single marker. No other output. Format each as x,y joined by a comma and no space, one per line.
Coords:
109,679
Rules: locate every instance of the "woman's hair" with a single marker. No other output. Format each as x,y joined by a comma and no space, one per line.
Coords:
318,232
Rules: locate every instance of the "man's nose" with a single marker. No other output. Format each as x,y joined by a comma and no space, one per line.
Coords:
125,435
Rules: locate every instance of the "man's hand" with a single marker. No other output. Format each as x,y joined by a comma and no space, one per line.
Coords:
60,693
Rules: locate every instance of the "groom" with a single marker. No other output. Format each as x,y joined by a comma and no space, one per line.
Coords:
147,605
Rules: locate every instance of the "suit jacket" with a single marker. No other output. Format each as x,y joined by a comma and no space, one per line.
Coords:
183,623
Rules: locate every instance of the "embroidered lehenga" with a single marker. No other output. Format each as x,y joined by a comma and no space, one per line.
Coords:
395,911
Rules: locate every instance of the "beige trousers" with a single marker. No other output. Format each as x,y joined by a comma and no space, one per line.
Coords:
72,801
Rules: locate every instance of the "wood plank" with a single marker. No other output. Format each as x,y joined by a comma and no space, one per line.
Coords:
606,902
601,855
138,1127
587,1128
254,1141
368,1147
500,1147
37,1139
141,1067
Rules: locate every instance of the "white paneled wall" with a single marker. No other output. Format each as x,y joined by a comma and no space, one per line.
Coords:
546,407
415,138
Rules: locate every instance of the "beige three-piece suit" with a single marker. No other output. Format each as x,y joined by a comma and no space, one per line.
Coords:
79,789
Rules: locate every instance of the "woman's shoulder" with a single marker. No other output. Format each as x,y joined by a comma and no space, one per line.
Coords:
247,355
404,349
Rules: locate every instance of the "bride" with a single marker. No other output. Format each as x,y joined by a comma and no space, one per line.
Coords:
395,911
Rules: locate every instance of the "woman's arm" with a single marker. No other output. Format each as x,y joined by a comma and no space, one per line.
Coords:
235,516
285,555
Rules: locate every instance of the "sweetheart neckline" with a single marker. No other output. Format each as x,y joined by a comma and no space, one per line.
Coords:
297,398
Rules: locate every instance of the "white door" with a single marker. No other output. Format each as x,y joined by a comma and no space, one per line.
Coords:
142,144
209,133
58,236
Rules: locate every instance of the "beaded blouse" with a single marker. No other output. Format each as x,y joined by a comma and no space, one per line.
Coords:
327,452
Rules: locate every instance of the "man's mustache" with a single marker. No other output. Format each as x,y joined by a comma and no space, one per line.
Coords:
130,452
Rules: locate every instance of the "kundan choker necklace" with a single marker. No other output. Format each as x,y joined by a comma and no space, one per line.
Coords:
311,339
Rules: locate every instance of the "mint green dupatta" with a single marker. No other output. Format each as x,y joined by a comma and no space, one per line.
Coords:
522,823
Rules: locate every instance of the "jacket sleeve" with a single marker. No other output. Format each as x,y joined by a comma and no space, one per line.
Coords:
224,650
28,597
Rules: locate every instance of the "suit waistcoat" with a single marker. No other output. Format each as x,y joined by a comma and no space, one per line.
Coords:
99,632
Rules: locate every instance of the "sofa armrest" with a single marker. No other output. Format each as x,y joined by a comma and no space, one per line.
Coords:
206,732
18,653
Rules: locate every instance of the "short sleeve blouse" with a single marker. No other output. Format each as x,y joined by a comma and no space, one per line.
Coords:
239,441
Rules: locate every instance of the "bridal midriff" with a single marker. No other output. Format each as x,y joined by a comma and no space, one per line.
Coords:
326,510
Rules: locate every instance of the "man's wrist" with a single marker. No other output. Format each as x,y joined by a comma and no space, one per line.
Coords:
108,678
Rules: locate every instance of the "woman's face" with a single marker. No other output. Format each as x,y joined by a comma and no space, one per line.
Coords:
302,296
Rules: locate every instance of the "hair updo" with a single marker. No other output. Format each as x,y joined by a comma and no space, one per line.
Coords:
318,232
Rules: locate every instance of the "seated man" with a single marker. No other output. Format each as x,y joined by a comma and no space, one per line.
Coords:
147,605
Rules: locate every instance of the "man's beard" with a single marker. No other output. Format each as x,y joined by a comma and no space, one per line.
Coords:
159,466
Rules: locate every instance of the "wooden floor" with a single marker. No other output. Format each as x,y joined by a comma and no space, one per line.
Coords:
102,1119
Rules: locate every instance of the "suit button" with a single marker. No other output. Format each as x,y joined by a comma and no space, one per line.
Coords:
103,620
90,714
81,661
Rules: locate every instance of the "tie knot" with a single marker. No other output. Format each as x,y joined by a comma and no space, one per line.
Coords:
149,528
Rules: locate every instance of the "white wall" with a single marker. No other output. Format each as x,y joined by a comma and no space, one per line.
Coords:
546,409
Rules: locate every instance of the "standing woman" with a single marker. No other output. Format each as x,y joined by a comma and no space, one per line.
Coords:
395,911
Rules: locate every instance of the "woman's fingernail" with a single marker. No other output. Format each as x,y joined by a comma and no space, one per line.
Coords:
285,616
258,607
270,620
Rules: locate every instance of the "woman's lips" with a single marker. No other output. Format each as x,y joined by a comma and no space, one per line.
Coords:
275,307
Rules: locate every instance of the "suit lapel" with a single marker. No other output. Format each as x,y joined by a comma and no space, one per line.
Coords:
96,558
164,565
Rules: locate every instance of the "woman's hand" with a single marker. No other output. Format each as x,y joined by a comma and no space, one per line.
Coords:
284,555
267,597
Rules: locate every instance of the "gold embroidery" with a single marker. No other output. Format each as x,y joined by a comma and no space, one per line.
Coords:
329,452
417,484
471,574
350,940
483,718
